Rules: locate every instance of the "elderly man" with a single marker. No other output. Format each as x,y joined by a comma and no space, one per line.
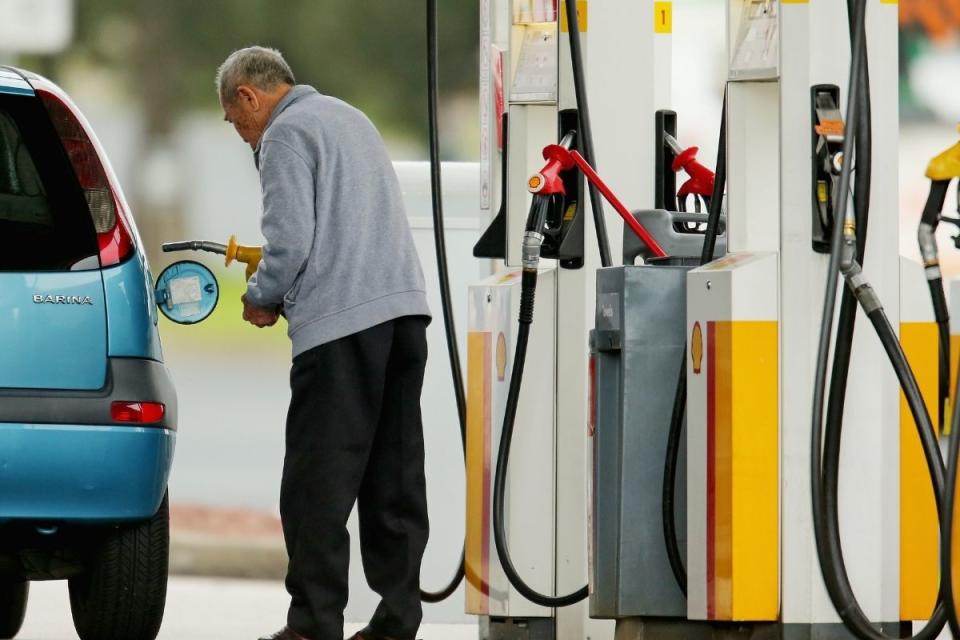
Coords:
339,262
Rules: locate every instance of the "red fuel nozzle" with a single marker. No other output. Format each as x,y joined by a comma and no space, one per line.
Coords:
701,179
560,158
548,181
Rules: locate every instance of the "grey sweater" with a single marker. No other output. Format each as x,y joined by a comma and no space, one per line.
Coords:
339,255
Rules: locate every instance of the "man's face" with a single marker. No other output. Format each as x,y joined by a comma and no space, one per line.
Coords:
245,113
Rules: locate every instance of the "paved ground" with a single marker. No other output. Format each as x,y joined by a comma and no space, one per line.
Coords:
199,609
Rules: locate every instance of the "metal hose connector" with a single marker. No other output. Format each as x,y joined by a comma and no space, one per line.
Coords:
848,251
532,241
861,288
926,238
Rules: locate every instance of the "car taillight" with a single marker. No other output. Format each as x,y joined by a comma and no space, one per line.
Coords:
137,412
113,235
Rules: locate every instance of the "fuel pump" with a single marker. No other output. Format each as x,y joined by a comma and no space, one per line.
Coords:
547,188
845,235
799,206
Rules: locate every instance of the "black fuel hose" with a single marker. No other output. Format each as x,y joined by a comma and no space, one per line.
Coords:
824,496
846,324
669,488
528,289
946,521
586,130
442,272
928,249
195,245
535,222
926,237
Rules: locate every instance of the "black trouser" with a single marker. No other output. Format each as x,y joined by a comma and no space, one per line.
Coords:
354,435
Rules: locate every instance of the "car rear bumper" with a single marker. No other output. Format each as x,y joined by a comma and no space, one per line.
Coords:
82,473
128,380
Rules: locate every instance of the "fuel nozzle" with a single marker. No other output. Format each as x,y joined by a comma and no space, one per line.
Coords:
248,255
941,171
548,181
701,181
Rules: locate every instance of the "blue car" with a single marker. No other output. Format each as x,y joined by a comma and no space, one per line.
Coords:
88,412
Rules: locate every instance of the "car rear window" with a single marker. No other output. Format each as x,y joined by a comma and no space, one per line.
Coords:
45,222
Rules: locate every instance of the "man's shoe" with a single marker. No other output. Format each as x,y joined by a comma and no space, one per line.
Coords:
285,634
368,634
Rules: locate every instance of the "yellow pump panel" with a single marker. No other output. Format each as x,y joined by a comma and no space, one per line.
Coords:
919,530
733,427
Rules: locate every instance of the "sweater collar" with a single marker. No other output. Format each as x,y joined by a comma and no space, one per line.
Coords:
297,93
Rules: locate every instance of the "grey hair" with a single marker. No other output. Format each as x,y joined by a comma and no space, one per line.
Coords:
260,67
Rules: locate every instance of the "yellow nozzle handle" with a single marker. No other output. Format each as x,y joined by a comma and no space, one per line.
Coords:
250,256
945,166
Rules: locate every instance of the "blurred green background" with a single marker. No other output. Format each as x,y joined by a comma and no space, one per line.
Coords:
161,55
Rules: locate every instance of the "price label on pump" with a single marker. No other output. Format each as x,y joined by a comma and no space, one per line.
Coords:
663,17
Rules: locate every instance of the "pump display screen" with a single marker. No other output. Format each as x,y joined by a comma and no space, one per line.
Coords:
757,51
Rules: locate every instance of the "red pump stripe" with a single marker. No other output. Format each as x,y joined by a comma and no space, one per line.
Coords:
711,470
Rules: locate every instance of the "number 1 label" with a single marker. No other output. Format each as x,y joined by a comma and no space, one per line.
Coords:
663,17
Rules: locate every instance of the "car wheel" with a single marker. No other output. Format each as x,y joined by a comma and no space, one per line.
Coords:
13,607
122,592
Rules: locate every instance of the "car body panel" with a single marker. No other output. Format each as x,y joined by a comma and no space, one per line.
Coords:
131,311
62,364
82,473
52,330
128,380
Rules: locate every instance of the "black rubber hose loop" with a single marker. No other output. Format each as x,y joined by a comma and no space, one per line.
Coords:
528,291
500,481
536,219
442,271
846,324
823,474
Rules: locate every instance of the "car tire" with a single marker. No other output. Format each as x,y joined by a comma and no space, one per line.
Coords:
123,590
13,607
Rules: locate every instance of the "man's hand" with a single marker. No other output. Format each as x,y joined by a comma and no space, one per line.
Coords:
258,316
